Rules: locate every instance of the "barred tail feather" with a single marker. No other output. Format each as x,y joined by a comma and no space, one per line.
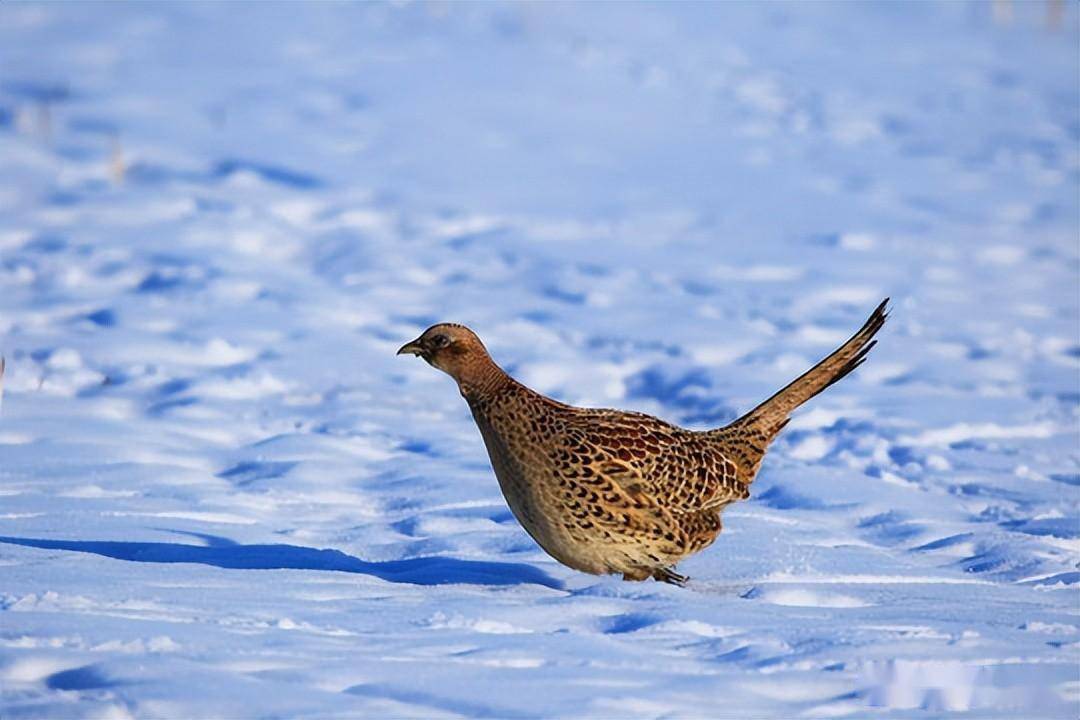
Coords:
770,416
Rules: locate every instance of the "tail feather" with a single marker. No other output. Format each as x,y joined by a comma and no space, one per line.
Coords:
773,413
757,428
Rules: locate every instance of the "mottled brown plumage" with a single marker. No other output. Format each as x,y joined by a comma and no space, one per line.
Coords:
607,491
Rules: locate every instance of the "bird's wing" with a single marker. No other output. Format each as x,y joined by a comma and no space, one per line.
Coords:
599,490
658,463
696,475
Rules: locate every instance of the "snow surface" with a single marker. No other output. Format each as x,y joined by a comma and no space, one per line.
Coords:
222,495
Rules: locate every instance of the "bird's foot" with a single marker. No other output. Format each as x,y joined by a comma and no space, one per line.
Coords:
668,575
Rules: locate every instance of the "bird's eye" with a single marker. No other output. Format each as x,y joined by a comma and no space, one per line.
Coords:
440,341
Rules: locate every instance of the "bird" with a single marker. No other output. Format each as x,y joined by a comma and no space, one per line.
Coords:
619,492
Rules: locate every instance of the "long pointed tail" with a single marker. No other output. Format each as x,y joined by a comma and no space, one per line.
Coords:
758,427
772,414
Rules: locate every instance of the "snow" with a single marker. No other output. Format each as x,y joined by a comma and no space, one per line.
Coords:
222,495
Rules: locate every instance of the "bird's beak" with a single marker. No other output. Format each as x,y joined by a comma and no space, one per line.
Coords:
411,348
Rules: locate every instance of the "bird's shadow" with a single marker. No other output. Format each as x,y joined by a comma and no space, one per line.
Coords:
433,570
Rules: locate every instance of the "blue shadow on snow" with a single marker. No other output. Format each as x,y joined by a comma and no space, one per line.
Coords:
417,571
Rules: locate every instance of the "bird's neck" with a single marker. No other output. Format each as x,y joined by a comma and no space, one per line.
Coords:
483,380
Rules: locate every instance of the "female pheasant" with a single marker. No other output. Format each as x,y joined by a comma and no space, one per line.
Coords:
607,491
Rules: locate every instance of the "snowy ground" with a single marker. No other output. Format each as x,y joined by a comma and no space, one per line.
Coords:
222,495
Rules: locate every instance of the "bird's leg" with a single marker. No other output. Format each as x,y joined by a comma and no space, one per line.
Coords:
636,575
668,575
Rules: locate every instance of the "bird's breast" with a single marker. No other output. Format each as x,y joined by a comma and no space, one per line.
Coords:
511,469
525,477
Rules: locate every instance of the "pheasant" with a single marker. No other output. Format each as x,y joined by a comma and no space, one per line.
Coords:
607,491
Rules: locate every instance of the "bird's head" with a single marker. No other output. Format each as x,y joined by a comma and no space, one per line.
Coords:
452,348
